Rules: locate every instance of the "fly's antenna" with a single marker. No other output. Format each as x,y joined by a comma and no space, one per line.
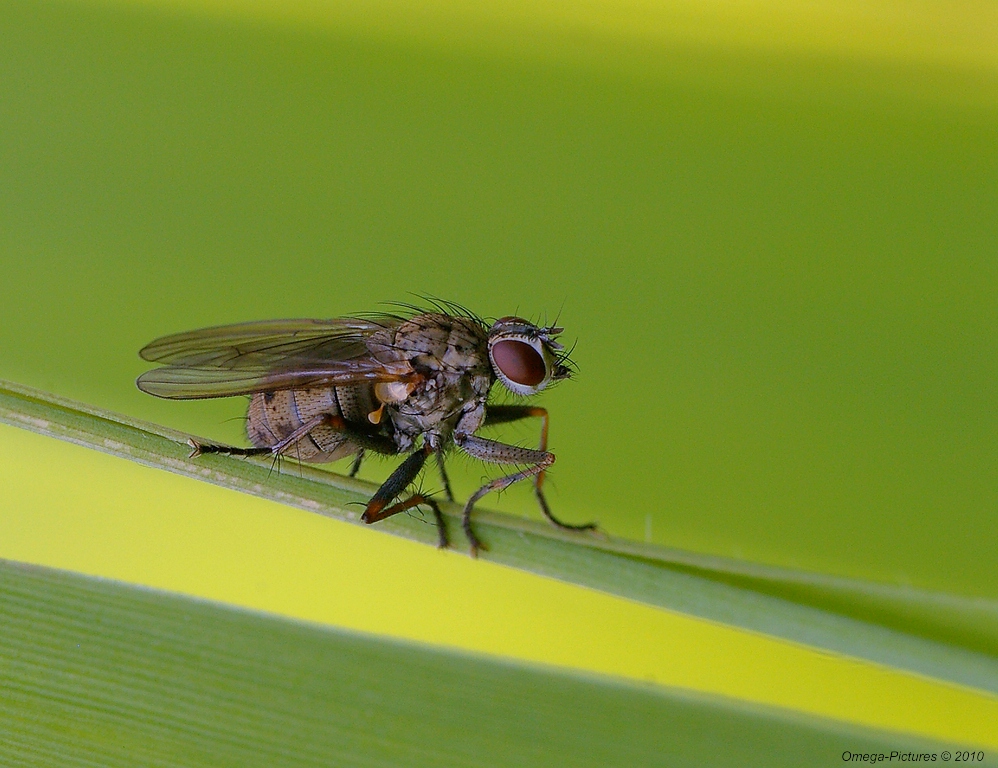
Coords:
565,358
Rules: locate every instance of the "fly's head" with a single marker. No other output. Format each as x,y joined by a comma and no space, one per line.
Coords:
526,358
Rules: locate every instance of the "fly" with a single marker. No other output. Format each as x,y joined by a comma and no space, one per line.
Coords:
322,390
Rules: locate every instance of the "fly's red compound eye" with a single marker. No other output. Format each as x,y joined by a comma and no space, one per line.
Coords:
519,362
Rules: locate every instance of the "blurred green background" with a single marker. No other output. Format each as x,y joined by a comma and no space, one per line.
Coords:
780,269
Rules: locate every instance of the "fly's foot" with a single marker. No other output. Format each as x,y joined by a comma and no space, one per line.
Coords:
199,449
476,545
474,542
539,494
580,527
442,540
377,510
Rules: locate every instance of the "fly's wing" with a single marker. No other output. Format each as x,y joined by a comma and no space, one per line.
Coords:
277,354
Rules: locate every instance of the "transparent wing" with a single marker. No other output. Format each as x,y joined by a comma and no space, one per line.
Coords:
263,343
277,354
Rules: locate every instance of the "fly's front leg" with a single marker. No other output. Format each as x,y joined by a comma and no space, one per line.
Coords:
500,453
378,507
501,414
497,453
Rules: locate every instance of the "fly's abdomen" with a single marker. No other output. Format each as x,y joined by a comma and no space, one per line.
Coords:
274,416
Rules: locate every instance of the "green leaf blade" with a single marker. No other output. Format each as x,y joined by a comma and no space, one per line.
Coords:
100,673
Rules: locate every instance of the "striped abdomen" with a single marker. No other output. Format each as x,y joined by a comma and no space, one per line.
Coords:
273,416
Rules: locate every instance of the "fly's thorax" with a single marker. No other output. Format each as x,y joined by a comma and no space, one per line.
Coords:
435,342
439,402
450,354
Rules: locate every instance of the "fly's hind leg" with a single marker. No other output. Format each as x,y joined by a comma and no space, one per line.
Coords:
501,414
380,506
276,449
198,448
377,443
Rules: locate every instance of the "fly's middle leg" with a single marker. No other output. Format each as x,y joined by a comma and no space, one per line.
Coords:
380,506
443,474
